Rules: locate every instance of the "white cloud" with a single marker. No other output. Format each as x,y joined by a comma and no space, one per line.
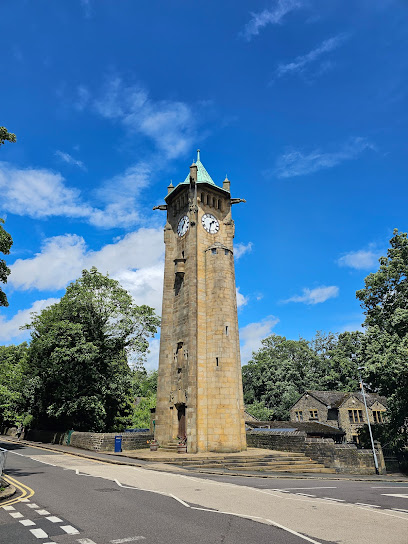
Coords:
241,249
266,17
241,299
10,329
66,157
360,260
252,334
171,125
300,64
39,193
135,260
152,358
316,295
42,193
296,163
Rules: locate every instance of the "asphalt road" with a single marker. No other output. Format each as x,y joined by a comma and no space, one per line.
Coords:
90,502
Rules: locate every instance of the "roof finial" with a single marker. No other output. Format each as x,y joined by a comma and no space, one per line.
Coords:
198,155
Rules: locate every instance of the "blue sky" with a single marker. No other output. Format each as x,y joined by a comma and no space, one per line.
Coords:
303,103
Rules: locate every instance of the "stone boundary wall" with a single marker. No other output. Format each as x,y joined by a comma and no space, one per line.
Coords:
345,458
87,441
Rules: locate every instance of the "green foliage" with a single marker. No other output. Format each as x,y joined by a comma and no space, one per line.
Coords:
385,347
78,372
281,370
13,361
5,244
141,412
144,386
6,136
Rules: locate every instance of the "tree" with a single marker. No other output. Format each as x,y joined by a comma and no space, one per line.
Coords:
278,374
13,361
6,136
79,352
5,244
385,347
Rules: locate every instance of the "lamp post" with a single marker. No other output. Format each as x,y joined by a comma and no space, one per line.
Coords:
368,421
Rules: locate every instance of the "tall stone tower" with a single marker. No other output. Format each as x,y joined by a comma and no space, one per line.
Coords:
199,393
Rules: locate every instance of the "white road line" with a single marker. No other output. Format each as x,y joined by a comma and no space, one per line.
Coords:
179,500
400,509
8,508
126,486
26,522
306,495
43,512
306,488
54,519
85,541
391,487
398,495
69,529
129,539
292,532
335,500
369,505
25,500
16,515
39,533
33,505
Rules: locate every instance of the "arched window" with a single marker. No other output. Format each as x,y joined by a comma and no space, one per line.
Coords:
219,204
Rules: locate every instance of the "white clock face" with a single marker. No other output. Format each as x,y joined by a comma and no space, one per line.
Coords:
210,223
183,225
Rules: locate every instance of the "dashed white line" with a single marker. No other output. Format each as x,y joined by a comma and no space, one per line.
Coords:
85,541
16,515
43,512
400,509
54,519
26,522
369,505
398,495
128,539
26,500
335,500
39,533
69,529
306,488
306,495
8,508
33,505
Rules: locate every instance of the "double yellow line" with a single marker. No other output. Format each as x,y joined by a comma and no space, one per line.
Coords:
26,492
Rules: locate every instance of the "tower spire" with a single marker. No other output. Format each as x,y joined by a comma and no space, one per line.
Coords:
198,155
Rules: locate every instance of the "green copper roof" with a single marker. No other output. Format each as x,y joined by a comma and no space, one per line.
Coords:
202,175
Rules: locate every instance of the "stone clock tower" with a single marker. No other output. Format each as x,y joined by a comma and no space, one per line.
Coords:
199,393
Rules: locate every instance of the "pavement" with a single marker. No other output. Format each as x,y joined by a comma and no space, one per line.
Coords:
158,460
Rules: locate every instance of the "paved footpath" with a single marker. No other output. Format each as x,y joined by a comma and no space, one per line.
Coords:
319,519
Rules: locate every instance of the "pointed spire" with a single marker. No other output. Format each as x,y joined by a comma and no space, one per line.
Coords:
198,155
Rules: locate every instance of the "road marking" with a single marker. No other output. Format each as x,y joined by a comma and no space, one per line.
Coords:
306,488
179,500
39,533
129,539
54,519
84,541
331,499
26,492
26,522
69,529
43,512
391,487
400,509
306,495
8,508
25,500
33,505
399,495
369,505
126,486
292,532
16,515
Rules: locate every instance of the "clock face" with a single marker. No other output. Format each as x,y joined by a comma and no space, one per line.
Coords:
183,225
210,223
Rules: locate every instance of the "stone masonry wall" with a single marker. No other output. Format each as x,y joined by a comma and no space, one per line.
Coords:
92,441
342,457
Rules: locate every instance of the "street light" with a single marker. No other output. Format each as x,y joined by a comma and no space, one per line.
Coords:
368,421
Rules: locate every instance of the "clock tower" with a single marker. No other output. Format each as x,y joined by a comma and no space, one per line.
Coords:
199,392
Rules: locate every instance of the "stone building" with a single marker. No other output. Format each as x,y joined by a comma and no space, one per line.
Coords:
199,393
345,411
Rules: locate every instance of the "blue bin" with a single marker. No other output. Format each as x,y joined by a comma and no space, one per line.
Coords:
118,443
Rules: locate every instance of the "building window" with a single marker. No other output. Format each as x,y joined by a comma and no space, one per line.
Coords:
202,198
298,415
226,251
355,416
378,416
213,251
313,415
355,438
219,204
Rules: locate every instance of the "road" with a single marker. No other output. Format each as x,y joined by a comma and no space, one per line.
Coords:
80,501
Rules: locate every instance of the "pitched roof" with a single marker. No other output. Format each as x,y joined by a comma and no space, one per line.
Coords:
309,427
202,175
335,399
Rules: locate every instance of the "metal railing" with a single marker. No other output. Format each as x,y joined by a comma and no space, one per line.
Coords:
3,456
